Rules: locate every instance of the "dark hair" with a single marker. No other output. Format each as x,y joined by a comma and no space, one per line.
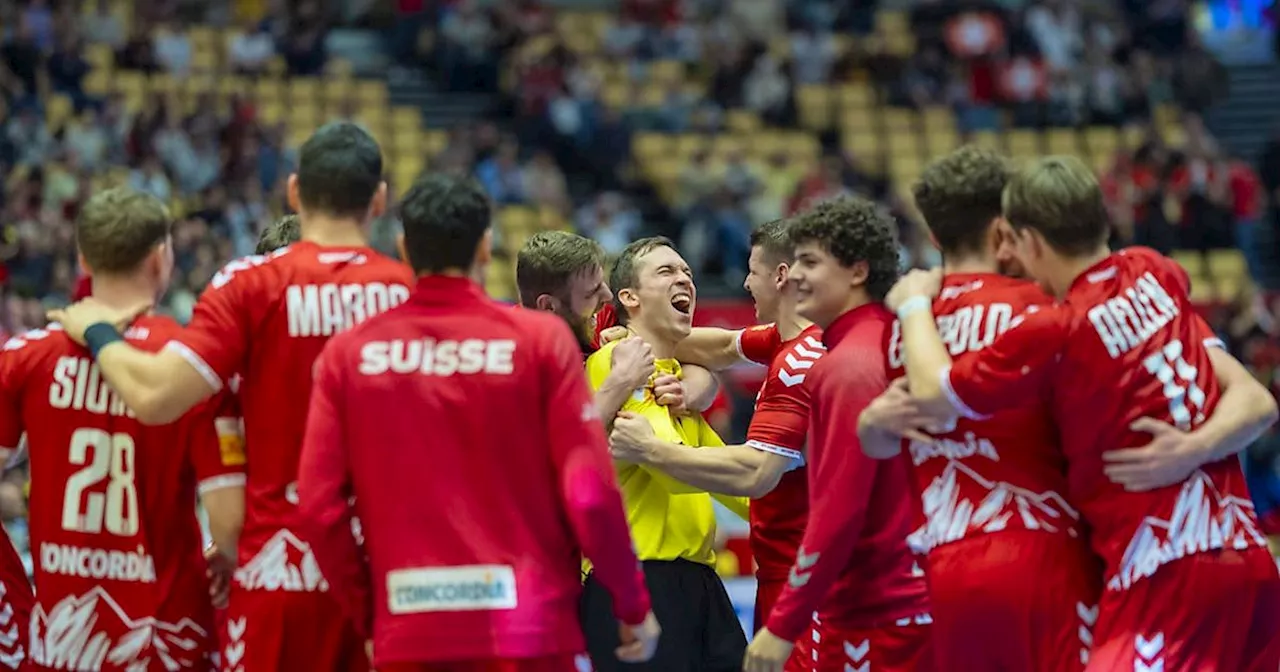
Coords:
549,259
339,170
1059,197
625,275
959,197
774,239
284,231
444,218
853,230
119,227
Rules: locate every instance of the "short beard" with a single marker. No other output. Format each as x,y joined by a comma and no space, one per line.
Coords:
581,329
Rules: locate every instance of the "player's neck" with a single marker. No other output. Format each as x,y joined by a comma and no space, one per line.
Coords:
1073,267
121,292
328,231
789,322
663,347
969,263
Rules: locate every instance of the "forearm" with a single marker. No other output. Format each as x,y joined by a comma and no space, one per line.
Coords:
613,393
225,510
700,387
877,442
1243,413
926,357
151,384
709,347
730,470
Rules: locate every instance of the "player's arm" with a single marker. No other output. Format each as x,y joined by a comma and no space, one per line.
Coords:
700,387
157,386
324,492
738,470
891,417
1245,410
219,460
710,347
588,489
841,478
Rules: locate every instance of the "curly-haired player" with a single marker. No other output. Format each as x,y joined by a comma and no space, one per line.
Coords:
281,233
988,609
853,567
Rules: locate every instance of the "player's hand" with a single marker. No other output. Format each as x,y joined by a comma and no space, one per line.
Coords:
638,641
915,283
219,571
896,413
613,334
767,653
78,317
668,390
1169,459
630,439
633,361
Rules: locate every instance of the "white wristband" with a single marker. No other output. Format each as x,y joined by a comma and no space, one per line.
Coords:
914,304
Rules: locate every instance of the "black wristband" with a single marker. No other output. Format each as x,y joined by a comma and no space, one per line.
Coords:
99,336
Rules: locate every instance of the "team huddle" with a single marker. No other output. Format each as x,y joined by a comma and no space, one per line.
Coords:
1023,461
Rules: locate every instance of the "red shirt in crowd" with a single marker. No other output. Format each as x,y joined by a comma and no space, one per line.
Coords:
853,566
1247,201
474,514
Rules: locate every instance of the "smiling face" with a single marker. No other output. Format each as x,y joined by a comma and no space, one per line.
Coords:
584,296
664,296
824,289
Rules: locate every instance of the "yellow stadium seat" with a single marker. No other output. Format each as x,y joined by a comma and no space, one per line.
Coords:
1102,140
903,145
690,143
1227,264
1134,137
857,96
516,218
1062,141
269,89
304,90
338,68
1166,114
897,119
725,144
615,95
813,104
1174,136
372,91
939,119
652,95
802,146
100,56
742,121
204,61
865,145
890,23
162,83
434,142
901,44
97,82
58,110
232,85
406,117
1229,289
202,37
940,143
666,72
1192,262
646,146
1023,144
271,112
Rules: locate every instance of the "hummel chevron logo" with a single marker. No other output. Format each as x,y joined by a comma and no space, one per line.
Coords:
235,628
1149,648
13,660
1089,615
9,637
802,570
857,653
790,380
1139,666
805,562
798,363
865,667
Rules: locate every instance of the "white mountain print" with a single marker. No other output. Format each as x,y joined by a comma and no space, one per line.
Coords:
286,563
73,636
950,515
1202,519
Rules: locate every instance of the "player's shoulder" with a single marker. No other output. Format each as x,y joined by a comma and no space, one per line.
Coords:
152,331
245,269
49,338
602,358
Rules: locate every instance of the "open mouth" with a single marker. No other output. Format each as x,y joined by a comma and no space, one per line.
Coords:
683,303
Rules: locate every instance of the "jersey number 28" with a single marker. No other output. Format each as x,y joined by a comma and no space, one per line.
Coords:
107,457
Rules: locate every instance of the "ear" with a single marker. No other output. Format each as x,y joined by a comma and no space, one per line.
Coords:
858,274
378,206
404,254
291,193
780,275
545,302
628,298
484,249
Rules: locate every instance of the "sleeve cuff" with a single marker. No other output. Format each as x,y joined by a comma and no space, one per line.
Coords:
1215,342
737,344
220,482
197,362
789,453
944,377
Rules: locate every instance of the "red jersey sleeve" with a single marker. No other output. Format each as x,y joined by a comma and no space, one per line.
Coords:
759,344
216,340
587,485
841,479
217,443
11,364
324,491
780,424
1013,368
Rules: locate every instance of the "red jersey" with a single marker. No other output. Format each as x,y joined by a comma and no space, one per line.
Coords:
266,318
779,425
474,514
1126,344
854,566
1006,473
114,534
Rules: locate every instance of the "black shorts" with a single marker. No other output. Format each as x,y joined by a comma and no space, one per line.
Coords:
700,630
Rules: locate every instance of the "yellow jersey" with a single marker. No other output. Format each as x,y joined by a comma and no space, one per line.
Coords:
669,519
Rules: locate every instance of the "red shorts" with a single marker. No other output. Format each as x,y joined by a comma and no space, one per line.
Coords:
1217,610
767,594
1014,600
566,663
899,647
268,631
16,602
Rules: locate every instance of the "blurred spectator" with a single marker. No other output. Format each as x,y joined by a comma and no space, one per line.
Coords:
172,49
501,175
105,27
468,35
767,91
544,183
813,54
250,48
609,221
